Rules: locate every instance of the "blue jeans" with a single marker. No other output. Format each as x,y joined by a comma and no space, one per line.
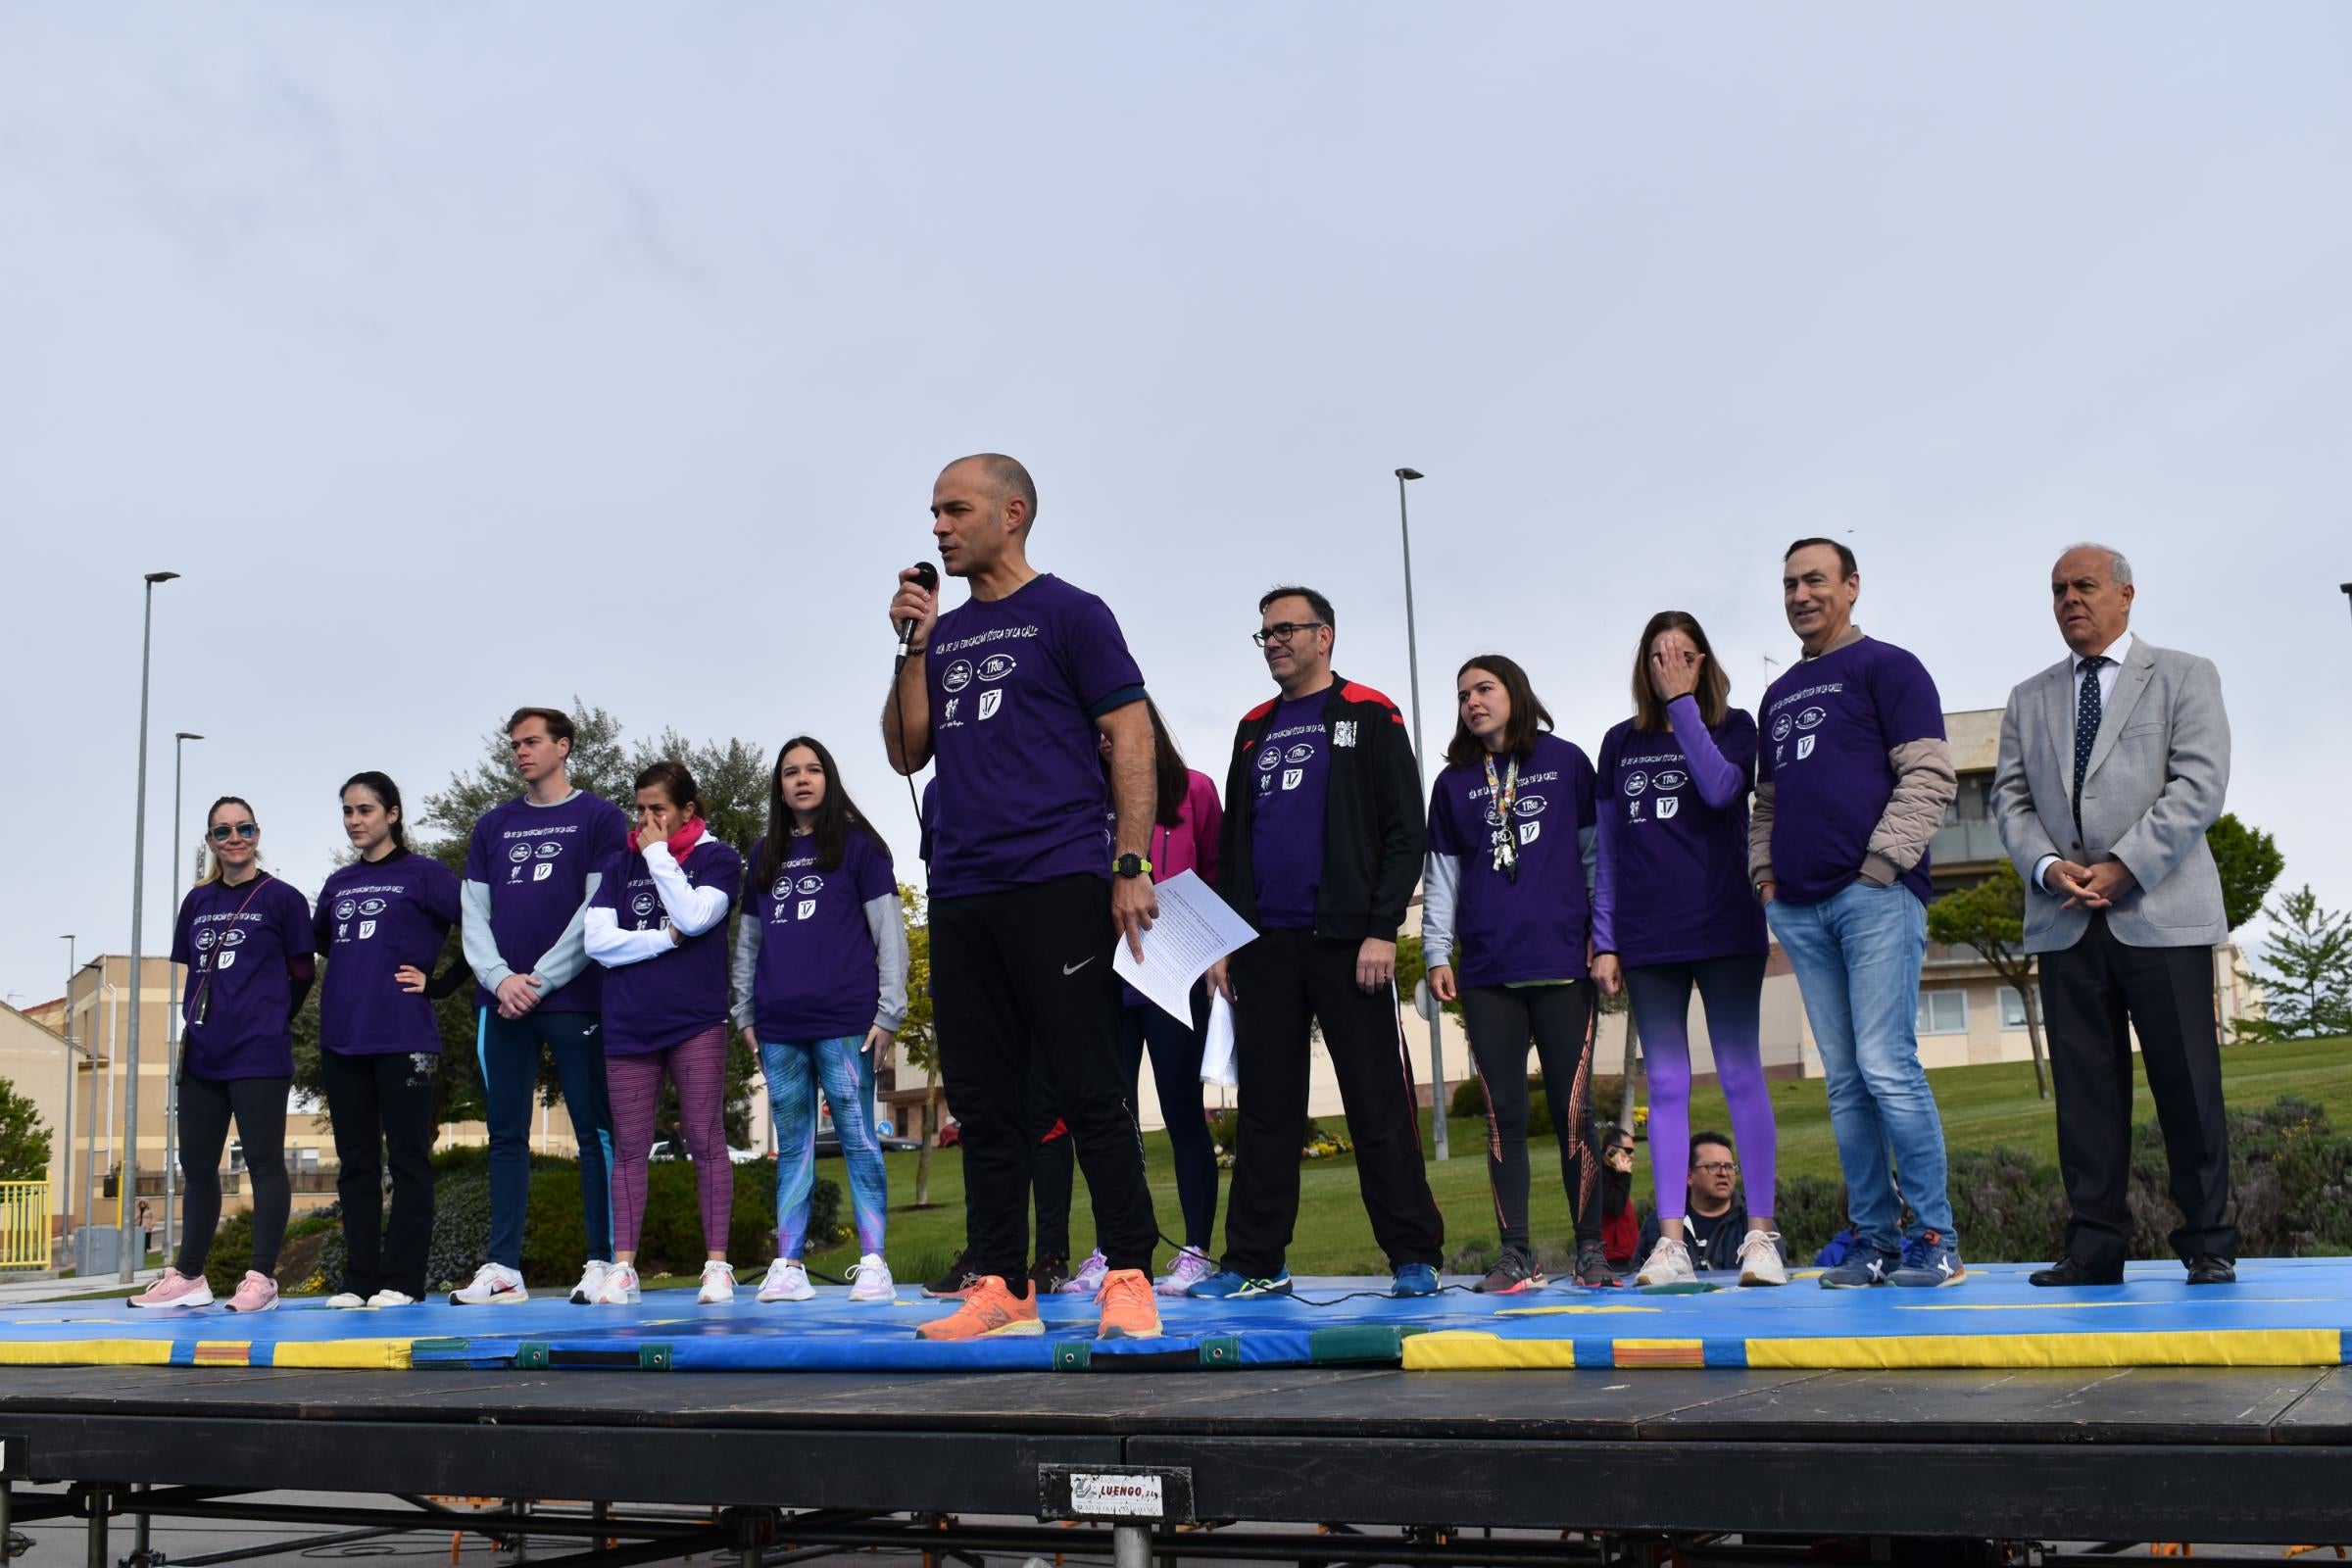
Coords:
1857,955
796,1069
508,1051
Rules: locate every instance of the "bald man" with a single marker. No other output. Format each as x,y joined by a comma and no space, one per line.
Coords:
2113,763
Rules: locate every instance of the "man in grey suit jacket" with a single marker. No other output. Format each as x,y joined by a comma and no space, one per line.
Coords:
2113,763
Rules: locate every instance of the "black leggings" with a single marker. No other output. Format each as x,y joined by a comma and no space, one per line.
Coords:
1500,1020
206,1106
1175,1050
380,1103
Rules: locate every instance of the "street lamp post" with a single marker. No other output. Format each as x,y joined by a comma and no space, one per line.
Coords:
126,1197
1412,659
64,1175
171,1018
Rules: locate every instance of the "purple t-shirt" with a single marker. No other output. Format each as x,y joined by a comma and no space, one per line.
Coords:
536,860
1533,929
1290,776
671,997
1016,685
236,943
816,977
1828,724
1677,867
371,920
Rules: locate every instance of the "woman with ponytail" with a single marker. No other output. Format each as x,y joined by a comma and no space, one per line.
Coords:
657,924
381,922
245,940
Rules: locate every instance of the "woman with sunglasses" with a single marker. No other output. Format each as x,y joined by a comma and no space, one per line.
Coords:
658,923
1509,821
1672,911
245,938
381,922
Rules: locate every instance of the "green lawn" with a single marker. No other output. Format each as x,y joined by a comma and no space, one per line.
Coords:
1982,1106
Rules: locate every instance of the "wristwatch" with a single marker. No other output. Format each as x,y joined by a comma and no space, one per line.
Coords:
1131,866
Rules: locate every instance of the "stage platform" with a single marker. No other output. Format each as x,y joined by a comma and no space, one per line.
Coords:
2238,1455
2282,1314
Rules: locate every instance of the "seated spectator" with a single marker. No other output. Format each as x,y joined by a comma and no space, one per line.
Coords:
1620,1216
1715,1225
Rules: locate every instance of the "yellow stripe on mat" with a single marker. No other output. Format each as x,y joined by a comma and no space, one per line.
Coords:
2177,1348
85,1353
363,1355
1465,1350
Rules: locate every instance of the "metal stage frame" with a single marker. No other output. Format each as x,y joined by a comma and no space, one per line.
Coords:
1639,1463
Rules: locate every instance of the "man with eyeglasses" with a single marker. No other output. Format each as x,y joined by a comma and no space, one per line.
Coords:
1716,1219
1322,846
531,874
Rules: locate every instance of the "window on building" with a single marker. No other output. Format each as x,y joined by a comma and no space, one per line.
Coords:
1943,1012
2013,1008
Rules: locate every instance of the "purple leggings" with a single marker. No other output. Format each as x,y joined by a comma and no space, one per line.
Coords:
1732,989
699,1067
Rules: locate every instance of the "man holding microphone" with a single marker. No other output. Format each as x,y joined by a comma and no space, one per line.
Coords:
1008,693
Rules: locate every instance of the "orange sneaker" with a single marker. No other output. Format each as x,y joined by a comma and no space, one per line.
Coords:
991,1311
1130,1306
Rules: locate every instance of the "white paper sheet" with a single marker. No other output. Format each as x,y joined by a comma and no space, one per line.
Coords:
1216,1051
1195,929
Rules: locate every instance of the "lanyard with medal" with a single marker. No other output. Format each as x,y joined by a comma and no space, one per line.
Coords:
1504,793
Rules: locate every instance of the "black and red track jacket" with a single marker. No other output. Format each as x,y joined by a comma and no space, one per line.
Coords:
1375,833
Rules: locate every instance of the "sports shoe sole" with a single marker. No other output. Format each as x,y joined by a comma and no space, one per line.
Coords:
502,1298
270,1306
1027,1328
1955,1277
1115,1332
180,1306
1516,1288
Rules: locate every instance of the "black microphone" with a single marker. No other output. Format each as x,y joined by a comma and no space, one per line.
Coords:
927,575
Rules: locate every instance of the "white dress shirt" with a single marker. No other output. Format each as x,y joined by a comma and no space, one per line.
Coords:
2114,654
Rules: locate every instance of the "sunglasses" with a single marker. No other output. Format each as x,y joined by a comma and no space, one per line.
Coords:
235,830
1282,631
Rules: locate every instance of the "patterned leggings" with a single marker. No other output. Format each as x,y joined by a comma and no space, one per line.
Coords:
699,1067
796,1069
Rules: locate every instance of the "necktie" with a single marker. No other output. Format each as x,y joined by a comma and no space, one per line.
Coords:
2088,708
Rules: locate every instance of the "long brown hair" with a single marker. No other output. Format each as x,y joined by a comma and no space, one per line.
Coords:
1527,716
1171,780
1714,689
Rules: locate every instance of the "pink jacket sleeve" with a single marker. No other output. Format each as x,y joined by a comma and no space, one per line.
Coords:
1209,822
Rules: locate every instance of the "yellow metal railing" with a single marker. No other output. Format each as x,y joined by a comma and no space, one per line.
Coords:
24,1224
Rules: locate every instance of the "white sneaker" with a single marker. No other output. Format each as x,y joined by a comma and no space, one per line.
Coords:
615,1285
1760,1260
870,1281
786,1281
346,1300
1669,1264
391,1298
494,1285
591,1288
718,1283
1088,1281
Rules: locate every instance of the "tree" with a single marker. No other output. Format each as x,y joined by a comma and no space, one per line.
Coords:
1990,917
23,1140
919,1035
2308,991
2249,862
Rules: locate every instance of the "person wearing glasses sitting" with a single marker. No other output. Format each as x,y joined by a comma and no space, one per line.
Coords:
1620,1215
1715,1218
245,940
1320,849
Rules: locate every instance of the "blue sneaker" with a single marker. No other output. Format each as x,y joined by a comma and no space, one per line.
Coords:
1863,1267
1413,1279
1227,1286
1930,1258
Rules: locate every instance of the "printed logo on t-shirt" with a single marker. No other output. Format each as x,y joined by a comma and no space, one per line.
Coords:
642,905
957,675
812,884
542,871
206,938
1805,746
995,666
235,939
367,929
1669,806
948,719
806,909
1637,783
1292,777
346,908
1672,778
1269,759
518,852
1342,732
226,959
1811,718
989,701
548,850
1298,753
1781,727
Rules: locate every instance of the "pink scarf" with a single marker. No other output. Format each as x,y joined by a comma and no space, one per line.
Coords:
683,839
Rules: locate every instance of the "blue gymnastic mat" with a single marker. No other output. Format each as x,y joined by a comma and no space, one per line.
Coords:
2280,1312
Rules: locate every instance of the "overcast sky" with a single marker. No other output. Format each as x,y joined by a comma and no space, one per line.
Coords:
466,356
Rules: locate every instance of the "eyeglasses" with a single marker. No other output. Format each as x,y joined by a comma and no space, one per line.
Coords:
1626,1149
225,831
1282,631
1719,1167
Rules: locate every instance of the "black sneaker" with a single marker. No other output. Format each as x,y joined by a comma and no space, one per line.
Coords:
1050,1275
1592,1265
956,1283
1514,1271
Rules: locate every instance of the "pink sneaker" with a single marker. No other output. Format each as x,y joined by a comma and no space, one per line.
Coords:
1191,1267
174,1290
256,1293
